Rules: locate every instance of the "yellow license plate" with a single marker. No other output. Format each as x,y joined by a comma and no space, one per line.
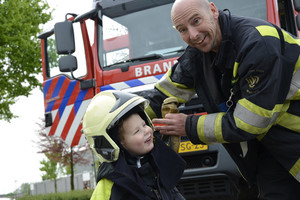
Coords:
190,147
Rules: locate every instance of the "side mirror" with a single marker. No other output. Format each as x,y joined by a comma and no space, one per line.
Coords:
67,63
64,37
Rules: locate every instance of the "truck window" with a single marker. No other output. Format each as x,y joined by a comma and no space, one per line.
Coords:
138,34
286,16
115,42
246,8
53,57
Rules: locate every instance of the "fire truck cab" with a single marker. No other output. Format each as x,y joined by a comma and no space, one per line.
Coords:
129,45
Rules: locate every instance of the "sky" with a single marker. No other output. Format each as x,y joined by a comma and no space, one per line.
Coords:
20,161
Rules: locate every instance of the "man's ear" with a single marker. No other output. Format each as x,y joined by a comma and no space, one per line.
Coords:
214,10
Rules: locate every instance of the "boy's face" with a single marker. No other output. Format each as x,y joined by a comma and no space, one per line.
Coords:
136,135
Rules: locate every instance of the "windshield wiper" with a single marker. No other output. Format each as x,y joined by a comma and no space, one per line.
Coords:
142,58
147,57
176,51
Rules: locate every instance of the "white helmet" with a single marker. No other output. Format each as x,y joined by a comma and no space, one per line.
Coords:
102,114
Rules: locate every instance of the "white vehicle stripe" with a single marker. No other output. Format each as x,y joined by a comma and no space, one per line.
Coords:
76,122
119,86
63,120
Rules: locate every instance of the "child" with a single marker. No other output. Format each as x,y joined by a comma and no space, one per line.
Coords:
135,164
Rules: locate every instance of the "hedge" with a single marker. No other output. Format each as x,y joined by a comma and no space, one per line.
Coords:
73,195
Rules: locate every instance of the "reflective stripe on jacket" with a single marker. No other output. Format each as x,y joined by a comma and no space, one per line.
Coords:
103,190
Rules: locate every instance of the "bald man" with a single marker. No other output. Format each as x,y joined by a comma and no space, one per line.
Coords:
246,73
197,23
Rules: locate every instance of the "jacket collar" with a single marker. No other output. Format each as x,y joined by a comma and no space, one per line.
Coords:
224,57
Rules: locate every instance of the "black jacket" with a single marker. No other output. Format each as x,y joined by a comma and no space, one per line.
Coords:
157,177
257,70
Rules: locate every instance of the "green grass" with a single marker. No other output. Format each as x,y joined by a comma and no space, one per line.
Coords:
73,195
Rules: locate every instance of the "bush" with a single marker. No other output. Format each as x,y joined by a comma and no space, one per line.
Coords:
73,195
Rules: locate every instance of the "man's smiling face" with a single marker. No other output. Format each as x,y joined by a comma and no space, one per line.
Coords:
197,23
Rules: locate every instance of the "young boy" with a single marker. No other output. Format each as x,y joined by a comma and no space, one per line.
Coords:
135,163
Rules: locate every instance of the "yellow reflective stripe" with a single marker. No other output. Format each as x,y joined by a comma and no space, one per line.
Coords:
254,119
172,89
297,66
209,128
150,112
279,120
248,128
266,30
289,39
235,69
218,127
295,170
200,129
261,136
167,93
103,190
294,92
296,96
288,120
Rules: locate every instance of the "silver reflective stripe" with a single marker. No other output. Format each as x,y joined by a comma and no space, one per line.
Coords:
295,170
244,147
209,128
298,177
295,85
252,118
185,93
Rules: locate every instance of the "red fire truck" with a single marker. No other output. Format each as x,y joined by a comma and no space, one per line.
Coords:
129,45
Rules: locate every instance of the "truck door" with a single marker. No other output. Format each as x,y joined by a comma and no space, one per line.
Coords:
66,96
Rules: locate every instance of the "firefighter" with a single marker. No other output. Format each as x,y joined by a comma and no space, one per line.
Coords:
135,164
246,73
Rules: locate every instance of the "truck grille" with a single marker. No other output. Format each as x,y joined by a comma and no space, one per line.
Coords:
213,188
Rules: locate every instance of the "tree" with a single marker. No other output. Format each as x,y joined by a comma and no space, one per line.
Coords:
20,53
50,167
57,151
24,189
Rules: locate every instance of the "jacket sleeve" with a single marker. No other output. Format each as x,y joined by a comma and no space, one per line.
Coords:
175,83
103,190
264,77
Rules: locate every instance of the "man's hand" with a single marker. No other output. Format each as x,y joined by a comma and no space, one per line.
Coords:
172,124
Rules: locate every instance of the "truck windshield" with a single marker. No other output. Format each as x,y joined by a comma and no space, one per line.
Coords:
139,35
150,31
